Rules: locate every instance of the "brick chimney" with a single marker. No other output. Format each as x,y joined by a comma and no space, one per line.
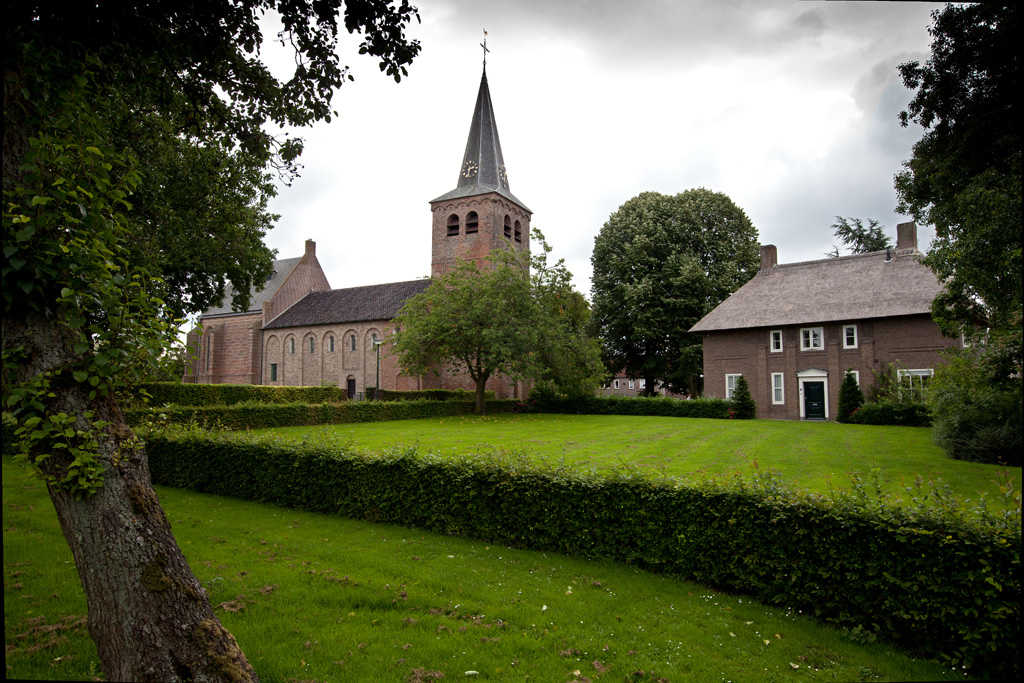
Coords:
906,236
769,256
310,249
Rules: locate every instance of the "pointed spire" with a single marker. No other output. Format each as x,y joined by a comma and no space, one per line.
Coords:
483,168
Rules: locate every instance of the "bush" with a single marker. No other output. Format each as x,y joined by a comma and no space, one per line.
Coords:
426,395
850,397
630,405
976,403
254,415
742,406
177,393
892,413
931,578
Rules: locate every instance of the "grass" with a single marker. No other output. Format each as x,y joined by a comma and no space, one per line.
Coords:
811,455
314,597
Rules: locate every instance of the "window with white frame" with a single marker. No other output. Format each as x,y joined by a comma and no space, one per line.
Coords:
631,384
812,338
914,382
856,376
849,336
778,389
730,384
616,383
642,385
775,341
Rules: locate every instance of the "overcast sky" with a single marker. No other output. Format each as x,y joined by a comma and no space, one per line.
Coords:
789,108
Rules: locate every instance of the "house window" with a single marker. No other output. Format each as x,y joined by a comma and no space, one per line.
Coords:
508,227
353,342
631,384
312,346
519,232
730,384
616,384
914,382
330,343
291,345
209,351
856,375
812,339
778,389
775,341
642,385
849,336
472,222
273,372
453,225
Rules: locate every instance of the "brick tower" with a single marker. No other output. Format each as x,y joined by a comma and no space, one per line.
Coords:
481,213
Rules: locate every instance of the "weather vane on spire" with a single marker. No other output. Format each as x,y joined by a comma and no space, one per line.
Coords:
484,46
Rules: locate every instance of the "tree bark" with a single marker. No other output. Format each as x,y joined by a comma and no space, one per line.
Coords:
479,404
148,614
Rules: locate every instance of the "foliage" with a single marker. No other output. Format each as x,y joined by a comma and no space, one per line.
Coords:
178,393
850,397
425,395
937,579
258,415
976,401
661,263
742,406
858,238
629,405
965,173
888,412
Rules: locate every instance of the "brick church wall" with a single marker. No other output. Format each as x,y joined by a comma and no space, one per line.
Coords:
491,209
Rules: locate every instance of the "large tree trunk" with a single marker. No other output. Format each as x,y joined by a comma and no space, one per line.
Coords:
480,405
148,614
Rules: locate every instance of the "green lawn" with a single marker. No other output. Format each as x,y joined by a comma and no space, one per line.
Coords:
313,597
811,455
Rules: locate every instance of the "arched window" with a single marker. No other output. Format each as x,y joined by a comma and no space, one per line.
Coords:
519,232
330,344
508,227
312,345
291,345
453,229
353,342
472,221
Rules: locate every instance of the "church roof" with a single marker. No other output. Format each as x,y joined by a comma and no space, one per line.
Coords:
855,287
282,268
355,304
483,168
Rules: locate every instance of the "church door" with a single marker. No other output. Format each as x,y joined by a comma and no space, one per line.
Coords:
351,387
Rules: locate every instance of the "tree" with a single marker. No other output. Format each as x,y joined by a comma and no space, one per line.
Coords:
660,264
742,405
134,186
965,173
858,238
850,397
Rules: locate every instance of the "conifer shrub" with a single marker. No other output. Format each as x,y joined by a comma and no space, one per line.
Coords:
742,406
850,397
936,578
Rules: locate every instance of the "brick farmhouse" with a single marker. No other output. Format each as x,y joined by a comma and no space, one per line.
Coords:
795,329
300,332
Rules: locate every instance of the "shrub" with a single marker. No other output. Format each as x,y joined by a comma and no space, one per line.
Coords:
976,403
850,397
892,413
177,393
255,415
742,406
932,578
425,394
630,405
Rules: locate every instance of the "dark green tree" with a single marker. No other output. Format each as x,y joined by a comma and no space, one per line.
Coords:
858,238
742,405
965,173
135,179
850,397
660,264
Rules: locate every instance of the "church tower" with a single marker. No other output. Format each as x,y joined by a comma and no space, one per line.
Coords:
481,214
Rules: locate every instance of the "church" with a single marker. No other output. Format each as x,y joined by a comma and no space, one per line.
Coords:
300,332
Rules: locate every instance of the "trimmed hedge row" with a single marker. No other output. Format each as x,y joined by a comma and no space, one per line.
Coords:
633,405
892,413
259,415
425,394
178,393
933,581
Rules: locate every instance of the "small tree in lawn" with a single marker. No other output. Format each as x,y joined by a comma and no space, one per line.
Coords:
850,397
743,406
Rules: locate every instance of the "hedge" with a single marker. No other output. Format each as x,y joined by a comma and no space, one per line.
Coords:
425,394
177,393
633,405
932,579
253,415
892,413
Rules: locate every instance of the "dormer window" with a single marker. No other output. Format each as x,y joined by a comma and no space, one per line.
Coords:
453,225
472,222
519,232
